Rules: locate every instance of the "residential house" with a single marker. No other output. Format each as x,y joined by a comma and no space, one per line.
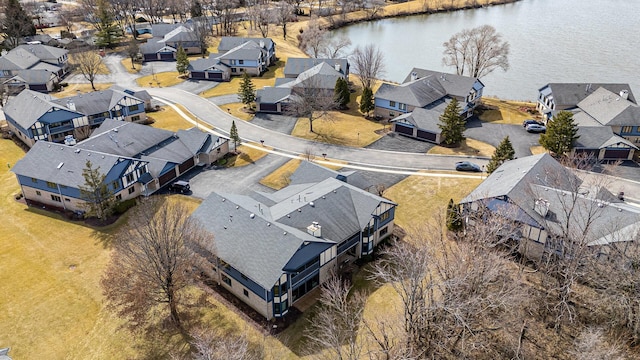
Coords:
210,68
542,200
272,249
166,46
599,142
296,66
268,47
168,154
428,90
322,76
51,174
25,67
555,97
34,116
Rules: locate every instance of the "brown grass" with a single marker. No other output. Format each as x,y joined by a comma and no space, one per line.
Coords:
536,150
75,89
232,87
468,147
339,128
163,79
505,111
167,118
238,110
246,156
280,178
126,63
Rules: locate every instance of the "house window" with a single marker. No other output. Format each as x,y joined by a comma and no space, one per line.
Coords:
226,280
392,114
241,62
233,70
245,292
130,177
34,180
244,277
403,107
114,185
119,197
627,129
51,185
392,103
117,113
67,199
384,231
135,118
233,62
38,193
132,190
384,216
63,186
56,198
134,107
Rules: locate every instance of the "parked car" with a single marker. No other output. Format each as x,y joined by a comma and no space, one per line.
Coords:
535,128
531,121
467,166
180,186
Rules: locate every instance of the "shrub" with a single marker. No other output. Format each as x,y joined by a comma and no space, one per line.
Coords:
123,206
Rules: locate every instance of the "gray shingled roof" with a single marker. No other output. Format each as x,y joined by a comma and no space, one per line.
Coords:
418,93
426,118
95,102
206,64
272,95
45,52
296,66
160,30
44,158
257,247
154,45
28,106
322,76
180,33
309,172
229,42
32,77
570,94
605,106
453,84
18,58
599,137
246,50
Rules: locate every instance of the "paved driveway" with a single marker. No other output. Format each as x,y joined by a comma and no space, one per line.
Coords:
494,133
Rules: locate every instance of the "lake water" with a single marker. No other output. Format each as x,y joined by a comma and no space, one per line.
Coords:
551,41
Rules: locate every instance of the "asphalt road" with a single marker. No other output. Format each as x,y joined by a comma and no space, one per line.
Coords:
494,133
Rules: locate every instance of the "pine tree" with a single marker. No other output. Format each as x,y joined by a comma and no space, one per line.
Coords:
454,218
561,133
366,101
182,61
247,91
15,24
108,32
452,125
99,199
503,152
341,92
233,135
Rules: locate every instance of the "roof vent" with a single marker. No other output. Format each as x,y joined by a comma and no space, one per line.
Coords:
289,216
315,229
324,197
268,224
624,94
541,206
619,210
252,215
600,205
76,151
225,227
237,207
59,165
312,204
223,199
115,130
299,210
284,233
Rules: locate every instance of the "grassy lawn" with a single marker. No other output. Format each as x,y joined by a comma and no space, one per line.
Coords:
75,89
339,128
280,177
163,79
469,147
505,111
126,63
169,119
536,150
238,110
246,156
420,197
231,87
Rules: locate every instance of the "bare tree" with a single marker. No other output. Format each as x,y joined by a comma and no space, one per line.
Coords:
155,257
203,29
311,101
335,327
212,344
591,344
264,19
283,14
368,63
89,64
312,39
476,52
225,12
335,47
374,9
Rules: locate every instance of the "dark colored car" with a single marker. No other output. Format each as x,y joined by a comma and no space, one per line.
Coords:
467,166
180,186
531,121
535,128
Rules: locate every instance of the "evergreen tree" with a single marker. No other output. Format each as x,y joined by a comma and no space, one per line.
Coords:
454,218
341,92
366,101
503,152
99,199
182,61
196,9
15,24
233,135
108,31
452,124
561,133
246,92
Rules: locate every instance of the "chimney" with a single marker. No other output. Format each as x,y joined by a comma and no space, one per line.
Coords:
414,76
262,44
71,105
541,206
624,94
315,229
337,67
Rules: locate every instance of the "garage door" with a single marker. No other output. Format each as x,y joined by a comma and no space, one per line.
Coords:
426,135
166,56
167,177
269,107
150,57
215,76
402,129
616,154
197,75
185,166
